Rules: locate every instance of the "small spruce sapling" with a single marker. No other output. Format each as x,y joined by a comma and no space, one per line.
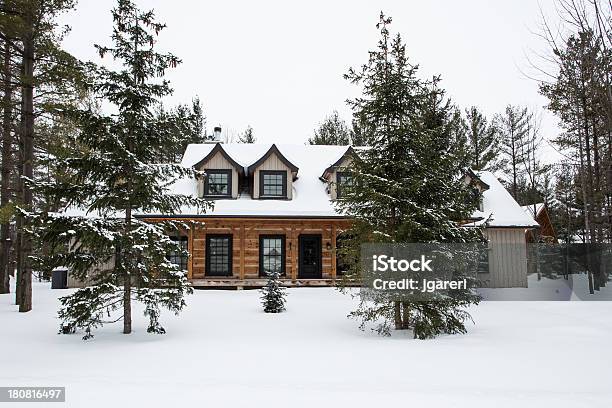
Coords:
273,294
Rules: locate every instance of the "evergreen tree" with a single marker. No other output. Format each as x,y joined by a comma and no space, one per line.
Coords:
198,121
113,175
42,78
188,123
247,136
360,133
483,148
513,125
580,96
407,187
566,214
332,131
533,169
8,140
273,294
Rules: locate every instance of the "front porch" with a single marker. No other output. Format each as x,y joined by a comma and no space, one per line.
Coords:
237,283
233,252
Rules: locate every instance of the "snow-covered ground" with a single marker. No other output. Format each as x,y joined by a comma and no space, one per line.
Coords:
223,351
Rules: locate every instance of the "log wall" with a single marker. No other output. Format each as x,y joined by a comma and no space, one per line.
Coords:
245,245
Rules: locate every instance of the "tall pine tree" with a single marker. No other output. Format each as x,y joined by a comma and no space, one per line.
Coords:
513,126
43,76
483,149
188,123
113,175
332,131
407,187
247,136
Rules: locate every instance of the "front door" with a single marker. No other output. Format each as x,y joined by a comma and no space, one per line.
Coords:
309,266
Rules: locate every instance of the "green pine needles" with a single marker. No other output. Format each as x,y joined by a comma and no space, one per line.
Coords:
273,295
407,186
112,174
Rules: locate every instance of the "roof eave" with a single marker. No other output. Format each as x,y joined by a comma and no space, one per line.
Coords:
472,174
334,166
219,149
273,149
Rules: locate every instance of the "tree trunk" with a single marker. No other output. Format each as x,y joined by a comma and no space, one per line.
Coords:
19,200
127,281
28,158
405,316
587,227
397,309
5,242
514,164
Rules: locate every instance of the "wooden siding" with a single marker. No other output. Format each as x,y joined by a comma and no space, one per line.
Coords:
273,163
546,232
76,283
246,232
507,258
221,163
507,253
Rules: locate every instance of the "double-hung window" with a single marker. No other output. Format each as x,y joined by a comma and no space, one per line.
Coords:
179,258
272,184
271,254
343,180
218,255
483,258
218,183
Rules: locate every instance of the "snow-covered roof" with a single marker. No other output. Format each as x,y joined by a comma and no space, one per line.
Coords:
530,209
310,197
500,207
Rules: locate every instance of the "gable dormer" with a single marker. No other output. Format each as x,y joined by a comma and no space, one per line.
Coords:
471,179
273,175
222,175
338,174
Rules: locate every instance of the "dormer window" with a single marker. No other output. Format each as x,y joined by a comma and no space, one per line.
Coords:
336,175
218,183
223,175
343,179
475,189
273,176
474,197
272,184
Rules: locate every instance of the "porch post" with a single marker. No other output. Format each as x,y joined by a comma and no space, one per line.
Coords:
242,252
333,252
294,252
190,245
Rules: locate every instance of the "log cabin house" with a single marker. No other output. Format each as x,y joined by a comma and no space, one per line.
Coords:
274,210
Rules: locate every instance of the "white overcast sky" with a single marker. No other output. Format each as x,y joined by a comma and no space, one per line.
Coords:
278,65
